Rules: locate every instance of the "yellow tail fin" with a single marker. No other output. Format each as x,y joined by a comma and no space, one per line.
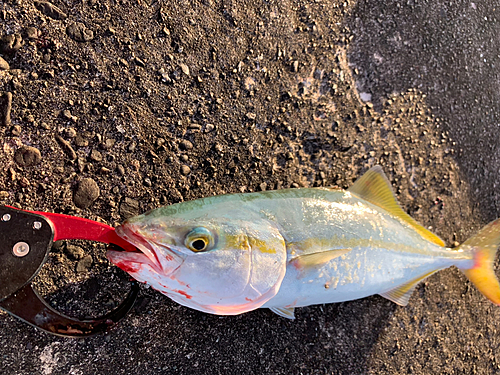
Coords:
484,246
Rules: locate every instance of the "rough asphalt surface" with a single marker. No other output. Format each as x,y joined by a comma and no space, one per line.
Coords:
109,108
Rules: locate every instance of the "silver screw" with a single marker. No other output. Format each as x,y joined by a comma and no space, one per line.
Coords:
37,225
6,217
21,249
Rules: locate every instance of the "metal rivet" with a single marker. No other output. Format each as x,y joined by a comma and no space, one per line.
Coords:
21,249
6,217
37,225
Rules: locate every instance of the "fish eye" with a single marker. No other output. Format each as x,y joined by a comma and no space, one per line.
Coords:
199,244
199,239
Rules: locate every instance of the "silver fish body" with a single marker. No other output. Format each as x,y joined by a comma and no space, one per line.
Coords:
295,247
382,252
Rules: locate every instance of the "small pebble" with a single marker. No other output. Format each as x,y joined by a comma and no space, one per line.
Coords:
11,43
249,83
86,193
67,115
109,143
140,62
159,142
131,147
84,264
23,181
31,32
185,145
79,32
95,155
81,141
5,108
185,170
58,245
16,130
66,147
120,169
4,65
16,84
27,156
50,10
70,132
184,68
74,252
129,208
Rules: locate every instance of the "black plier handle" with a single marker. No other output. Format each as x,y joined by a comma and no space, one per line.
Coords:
26,238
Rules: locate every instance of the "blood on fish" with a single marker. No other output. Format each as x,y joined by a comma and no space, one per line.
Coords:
128,267
183,293
172,277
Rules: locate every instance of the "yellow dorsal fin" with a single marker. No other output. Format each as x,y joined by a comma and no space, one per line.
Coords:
375,188
402,293
306,261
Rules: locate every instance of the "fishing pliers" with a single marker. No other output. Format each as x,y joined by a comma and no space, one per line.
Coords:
26,238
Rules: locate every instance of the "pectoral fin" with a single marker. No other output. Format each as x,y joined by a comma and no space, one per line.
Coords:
375,188
285,312
306,261
402,293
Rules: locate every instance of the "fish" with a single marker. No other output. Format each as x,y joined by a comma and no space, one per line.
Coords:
283,249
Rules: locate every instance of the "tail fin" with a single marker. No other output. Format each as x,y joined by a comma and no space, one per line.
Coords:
484,246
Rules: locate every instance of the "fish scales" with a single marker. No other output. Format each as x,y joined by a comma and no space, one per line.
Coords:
295,247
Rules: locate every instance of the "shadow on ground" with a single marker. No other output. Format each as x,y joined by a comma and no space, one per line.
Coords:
448,50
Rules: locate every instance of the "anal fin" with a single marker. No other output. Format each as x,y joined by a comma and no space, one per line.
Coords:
285,312
402,293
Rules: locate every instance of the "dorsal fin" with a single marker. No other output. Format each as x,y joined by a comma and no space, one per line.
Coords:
375,188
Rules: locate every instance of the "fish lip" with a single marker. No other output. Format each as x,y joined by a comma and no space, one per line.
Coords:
142,245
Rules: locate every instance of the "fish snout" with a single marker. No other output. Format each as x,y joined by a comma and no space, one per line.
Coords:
156,248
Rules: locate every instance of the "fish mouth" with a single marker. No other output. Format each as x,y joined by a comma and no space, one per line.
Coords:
161,258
